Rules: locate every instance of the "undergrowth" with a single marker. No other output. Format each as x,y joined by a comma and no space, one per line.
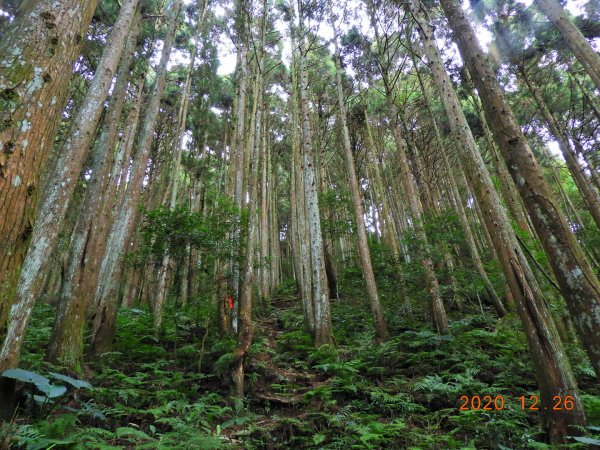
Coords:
401,394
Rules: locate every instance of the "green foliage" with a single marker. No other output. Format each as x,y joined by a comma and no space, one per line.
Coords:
166,231
403,393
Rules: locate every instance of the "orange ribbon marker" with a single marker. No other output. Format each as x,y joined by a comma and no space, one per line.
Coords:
230,302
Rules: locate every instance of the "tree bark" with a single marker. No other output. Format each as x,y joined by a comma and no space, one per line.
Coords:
579,285
238,149
104,323
37,52
56,202
302,232
323,333
66,342
552,368
245,332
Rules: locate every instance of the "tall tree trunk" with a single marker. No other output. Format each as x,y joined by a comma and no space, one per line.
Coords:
37,52
440,320
66,342
112,197
388,226
302,229
579,285
245,330
323,332
330,268
238,148
104,323
455,199
507,185
264,228
174,185
552,368
56,202
359,215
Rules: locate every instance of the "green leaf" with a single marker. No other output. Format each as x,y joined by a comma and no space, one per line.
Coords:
56,391
77,384
40,382
26,376
586,440
40,399
318,438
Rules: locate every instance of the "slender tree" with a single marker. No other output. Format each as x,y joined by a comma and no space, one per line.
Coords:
106,301
440,320
363,245
317,276
66,342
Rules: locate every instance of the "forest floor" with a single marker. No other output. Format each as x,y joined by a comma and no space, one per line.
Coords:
402,394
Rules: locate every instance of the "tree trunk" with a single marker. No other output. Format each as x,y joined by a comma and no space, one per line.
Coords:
363,245
37,52
323,333
455,198
66,342
245,327
63,182
238,149
440,320
507,185
579,285
552,368
264,226
388,226
302,230
104,322
174,191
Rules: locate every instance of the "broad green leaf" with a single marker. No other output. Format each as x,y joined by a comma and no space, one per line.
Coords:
586,440
25,376
56,391
77,384
40,399
318,438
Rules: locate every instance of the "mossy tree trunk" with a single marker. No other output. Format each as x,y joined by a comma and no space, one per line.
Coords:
37,52
54,205
579,285
552,367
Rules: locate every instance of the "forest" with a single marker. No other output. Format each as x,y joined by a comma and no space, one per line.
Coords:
281,224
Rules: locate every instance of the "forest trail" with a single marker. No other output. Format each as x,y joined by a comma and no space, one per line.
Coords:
278,392
282,384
